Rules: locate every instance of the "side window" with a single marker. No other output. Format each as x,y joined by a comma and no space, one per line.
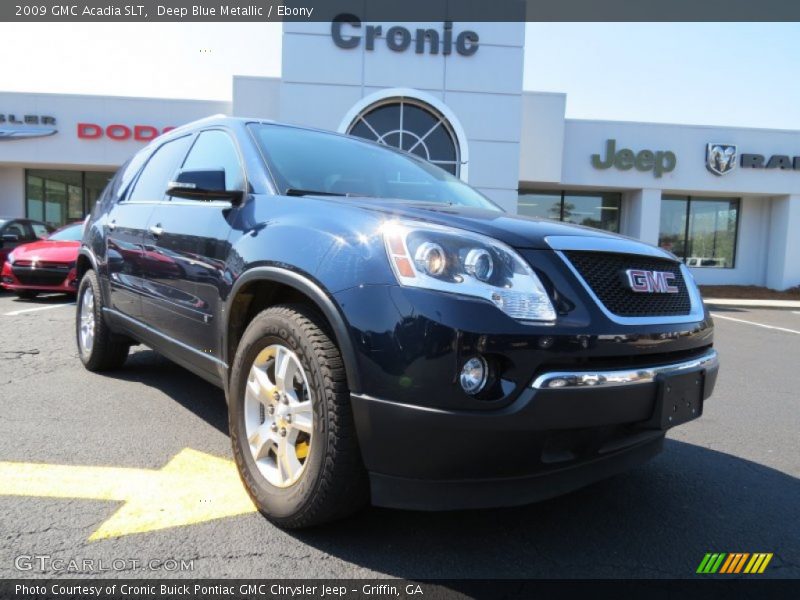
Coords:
215,149
39,230
152,183
128,171
14,228
22,230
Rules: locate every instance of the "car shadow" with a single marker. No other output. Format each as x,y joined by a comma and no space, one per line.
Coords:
656,521
43,298
149,368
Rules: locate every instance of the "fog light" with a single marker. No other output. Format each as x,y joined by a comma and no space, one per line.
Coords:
474,375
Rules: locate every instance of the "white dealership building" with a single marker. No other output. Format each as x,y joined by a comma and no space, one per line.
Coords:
725,199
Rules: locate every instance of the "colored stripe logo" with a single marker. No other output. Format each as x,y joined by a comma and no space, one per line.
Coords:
734,562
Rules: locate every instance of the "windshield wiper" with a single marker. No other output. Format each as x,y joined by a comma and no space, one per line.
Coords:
299,192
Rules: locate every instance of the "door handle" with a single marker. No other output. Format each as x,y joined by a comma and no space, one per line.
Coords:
112,225
156,230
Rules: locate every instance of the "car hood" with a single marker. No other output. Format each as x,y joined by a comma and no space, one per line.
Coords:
514,230
48,251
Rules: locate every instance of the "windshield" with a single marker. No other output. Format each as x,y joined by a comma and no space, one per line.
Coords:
70,233
304,162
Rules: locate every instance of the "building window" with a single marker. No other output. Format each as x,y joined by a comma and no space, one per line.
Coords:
600,210
413,126
701,231
59,197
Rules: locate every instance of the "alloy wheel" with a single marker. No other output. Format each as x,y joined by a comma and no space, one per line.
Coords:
87,321
278,415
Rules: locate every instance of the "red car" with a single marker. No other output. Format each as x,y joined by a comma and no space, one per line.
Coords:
44,266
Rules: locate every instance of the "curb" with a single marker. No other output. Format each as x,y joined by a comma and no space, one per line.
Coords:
745,303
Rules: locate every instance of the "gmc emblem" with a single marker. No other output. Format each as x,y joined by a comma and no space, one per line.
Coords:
651,282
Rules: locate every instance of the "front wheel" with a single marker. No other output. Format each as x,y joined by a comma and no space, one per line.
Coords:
290,421
98,347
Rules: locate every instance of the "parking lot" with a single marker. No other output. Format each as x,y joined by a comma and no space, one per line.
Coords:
728,482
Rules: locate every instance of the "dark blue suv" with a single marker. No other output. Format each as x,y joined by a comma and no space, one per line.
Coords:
382,331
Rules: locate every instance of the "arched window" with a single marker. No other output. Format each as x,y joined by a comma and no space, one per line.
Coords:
413,126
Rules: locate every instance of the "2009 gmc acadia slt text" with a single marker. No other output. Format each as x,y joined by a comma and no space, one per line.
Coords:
382,331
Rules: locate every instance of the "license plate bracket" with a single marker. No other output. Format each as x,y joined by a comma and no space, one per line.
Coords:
679,399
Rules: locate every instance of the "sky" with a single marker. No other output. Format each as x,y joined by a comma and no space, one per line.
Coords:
737,74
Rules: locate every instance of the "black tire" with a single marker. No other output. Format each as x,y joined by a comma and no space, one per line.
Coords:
27,294
108,351
333,483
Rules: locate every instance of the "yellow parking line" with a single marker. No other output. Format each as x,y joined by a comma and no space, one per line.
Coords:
193,487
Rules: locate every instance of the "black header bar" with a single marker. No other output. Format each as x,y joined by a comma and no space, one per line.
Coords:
393,589
398,10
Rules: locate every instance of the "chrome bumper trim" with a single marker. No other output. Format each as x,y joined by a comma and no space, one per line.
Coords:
562,380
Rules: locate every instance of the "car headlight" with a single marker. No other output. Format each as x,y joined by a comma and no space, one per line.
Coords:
461,262
10,258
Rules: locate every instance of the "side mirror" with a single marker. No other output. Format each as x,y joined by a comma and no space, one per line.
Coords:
202,184
11,238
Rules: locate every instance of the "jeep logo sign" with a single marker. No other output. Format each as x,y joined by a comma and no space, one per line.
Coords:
660,162
346,34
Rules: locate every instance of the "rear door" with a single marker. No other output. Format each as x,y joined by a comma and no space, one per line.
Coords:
186,246
127,222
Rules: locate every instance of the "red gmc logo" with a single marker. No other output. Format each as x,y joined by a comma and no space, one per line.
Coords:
117,132
651,282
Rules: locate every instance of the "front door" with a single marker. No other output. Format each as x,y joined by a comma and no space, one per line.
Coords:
186,246
127,224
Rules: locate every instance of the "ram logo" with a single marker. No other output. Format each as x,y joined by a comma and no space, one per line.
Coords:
650,282
720,158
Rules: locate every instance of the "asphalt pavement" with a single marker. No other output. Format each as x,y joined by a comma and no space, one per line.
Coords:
727,482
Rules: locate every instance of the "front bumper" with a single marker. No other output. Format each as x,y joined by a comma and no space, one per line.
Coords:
52,278
550,440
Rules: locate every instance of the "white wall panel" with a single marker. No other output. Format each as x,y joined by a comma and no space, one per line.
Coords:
12,192
256,97
316,105
493,164
542,136
316,59
493,69
492,117
384,68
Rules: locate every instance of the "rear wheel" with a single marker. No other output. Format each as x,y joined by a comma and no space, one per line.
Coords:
98,347
290,421
27,294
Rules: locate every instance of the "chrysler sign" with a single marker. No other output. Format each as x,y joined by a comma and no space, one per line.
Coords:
23,126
